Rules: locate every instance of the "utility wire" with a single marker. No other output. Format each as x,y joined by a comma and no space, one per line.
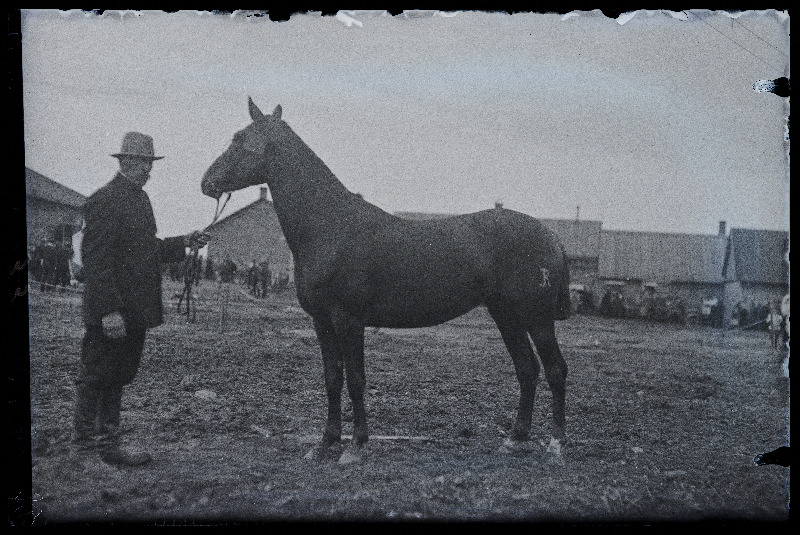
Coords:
735,42
759,37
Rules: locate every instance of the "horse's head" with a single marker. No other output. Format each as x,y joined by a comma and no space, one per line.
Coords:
244,163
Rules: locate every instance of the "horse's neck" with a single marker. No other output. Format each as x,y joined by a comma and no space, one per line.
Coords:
309,200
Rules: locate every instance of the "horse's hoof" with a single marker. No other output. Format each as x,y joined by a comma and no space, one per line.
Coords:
351,455
553,454
511,445
555,446
313,454
320,452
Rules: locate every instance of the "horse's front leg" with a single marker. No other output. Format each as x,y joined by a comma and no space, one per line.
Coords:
356,384
350,337
334,380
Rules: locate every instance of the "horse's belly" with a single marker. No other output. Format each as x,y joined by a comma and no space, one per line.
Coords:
412,283
413,318
414,309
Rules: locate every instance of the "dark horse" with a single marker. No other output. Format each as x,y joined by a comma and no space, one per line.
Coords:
358,266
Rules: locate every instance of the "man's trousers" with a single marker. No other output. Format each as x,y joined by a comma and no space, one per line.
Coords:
106,366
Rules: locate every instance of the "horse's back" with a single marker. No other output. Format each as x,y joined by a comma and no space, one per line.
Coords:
517,258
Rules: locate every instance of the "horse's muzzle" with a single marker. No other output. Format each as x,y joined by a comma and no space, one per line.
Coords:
214,175
209,188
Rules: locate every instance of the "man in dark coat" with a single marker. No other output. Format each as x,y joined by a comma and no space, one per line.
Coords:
122,260
44,257
61,271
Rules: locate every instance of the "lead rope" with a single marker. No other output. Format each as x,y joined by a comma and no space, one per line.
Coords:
221,295
194,252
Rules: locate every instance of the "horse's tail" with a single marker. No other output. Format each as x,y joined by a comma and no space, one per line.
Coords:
563,302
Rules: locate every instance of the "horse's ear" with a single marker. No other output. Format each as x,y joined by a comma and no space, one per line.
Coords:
277,113
255,113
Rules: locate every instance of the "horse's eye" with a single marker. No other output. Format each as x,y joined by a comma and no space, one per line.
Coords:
254,143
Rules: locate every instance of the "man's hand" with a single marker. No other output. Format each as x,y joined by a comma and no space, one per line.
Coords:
198,239
114,326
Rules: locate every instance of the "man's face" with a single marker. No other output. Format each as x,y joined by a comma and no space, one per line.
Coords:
136,169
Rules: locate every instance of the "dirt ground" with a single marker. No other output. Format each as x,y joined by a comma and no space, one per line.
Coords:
663,423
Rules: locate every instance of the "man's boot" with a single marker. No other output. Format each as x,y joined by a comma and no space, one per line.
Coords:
84,439
111,451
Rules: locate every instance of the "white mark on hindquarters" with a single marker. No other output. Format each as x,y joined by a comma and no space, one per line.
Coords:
545,277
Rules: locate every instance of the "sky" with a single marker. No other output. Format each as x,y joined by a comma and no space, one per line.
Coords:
646,122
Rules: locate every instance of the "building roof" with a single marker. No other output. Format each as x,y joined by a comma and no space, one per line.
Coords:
581,238
260,203
661,257
757,256
39,186
650,256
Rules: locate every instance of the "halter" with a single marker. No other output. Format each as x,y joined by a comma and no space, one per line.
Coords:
218,210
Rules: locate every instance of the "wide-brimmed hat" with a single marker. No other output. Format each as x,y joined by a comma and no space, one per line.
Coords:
136,145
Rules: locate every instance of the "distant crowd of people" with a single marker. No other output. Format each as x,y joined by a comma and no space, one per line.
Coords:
257,277
650,306
751,314
767,316
50,264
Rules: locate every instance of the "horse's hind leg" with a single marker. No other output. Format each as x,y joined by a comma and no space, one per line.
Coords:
555,370
515,336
